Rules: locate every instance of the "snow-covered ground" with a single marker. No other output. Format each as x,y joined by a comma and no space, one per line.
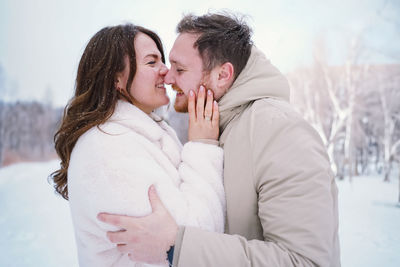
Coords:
36,229
369,222
35,224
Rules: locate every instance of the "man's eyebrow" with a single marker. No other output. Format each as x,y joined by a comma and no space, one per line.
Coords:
176,63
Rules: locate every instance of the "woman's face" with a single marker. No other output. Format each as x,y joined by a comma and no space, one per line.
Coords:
147,89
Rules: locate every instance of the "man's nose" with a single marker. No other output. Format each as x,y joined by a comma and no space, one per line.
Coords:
169,78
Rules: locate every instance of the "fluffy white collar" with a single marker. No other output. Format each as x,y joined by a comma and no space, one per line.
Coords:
151,126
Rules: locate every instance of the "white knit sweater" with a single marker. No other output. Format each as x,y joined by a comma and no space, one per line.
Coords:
111,169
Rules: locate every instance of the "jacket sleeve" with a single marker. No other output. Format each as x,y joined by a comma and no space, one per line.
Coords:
295,203
203,163
114,177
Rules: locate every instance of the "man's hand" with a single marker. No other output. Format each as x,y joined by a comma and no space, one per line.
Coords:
145,239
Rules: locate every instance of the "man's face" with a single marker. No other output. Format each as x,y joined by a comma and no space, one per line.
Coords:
186,72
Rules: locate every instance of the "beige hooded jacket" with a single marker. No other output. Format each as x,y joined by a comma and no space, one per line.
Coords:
281,193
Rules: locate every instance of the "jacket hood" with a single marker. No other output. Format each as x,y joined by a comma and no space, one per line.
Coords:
259,79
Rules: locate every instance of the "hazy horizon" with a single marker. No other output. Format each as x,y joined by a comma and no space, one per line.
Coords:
43,40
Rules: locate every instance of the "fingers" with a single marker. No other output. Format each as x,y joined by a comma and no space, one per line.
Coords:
121,221
118,237
200,103
208,112
155,201
191,106
215,117
123,248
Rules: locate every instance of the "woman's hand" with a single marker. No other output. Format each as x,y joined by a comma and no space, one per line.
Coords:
203,119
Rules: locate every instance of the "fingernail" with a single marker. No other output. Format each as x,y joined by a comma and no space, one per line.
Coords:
201,88
215,103
152,189
191,93
99,217
209,92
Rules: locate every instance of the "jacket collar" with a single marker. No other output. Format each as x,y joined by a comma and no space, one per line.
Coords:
150,126
133,118
259,79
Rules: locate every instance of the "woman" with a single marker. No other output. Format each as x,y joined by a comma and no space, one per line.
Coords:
113,148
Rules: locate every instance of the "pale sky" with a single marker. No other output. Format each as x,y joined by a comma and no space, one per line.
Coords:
43,40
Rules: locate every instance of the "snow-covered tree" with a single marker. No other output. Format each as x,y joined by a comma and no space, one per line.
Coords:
389,95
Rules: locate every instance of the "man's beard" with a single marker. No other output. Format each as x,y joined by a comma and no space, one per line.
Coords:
181,104
181,100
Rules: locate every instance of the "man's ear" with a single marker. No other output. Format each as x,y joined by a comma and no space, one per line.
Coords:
225,75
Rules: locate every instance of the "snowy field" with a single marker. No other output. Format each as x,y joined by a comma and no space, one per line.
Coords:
37,230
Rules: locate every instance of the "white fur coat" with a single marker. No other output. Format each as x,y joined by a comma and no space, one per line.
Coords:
111,169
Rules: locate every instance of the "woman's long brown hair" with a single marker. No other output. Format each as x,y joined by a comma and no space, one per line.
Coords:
95,93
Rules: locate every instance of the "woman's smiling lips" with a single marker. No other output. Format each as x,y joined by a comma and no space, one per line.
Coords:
161,86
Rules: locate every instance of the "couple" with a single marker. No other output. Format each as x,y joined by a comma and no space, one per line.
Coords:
137,195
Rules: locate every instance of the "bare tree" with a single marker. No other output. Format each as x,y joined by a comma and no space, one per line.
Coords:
389,96
330,98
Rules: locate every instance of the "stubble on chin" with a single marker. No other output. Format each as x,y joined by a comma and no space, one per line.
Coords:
181,105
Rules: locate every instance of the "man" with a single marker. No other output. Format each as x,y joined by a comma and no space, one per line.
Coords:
281,194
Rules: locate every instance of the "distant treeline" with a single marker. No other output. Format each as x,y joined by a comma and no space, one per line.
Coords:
26,131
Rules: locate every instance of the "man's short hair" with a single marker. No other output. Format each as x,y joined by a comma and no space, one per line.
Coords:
222,38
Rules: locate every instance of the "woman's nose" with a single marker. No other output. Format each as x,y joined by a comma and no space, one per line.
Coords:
163,69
